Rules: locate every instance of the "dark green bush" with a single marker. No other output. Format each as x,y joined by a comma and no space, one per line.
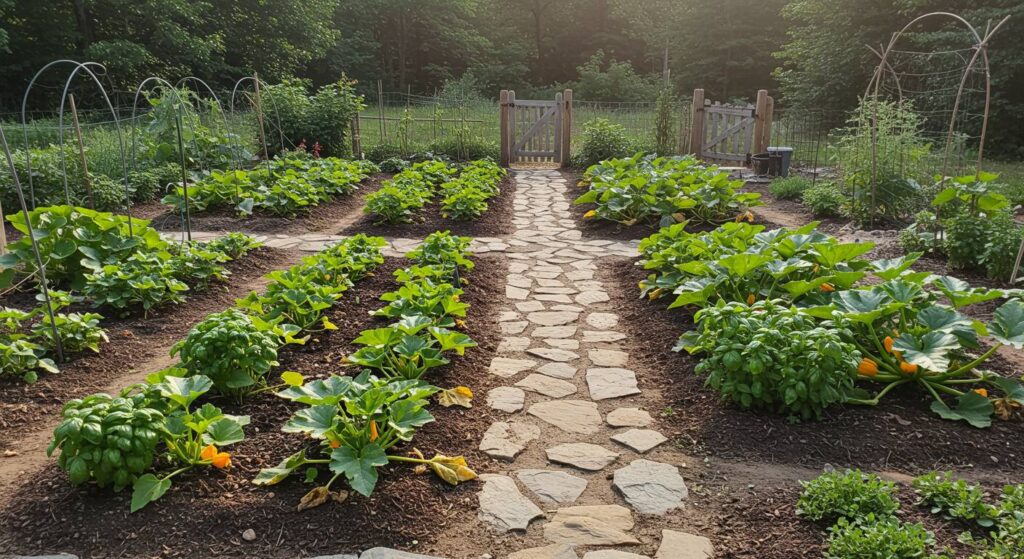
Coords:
323,117
601,140
824,200
384,151
471,149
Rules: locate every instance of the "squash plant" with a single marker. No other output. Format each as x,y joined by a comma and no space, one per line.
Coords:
408,348
355,422
442,249
424,292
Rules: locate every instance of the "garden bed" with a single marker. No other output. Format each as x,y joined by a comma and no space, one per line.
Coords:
329,216
206,515
495,222
133,341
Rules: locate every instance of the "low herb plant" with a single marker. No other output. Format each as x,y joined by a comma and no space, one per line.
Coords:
880,538
851,495
954,498
233,245
825,199
789,188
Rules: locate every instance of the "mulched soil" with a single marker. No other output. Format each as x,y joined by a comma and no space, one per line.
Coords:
900,434
133,340
205,513
495,222
600,229
794,208
324,217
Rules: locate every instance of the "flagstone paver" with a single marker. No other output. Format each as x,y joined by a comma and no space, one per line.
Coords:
640,440
503,506
507,439
629,417
584,456
651,487
548,386
552,486
506,398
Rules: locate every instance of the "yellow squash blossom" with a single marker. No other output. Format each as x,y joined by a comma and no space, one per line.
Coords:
908,368
887,342
222,460
867,367
464,391
750,299
373,431
981,392
208,453
827,287
590,214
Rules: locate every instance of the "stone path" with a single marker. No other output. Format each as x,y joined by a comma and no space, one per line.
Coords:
567,421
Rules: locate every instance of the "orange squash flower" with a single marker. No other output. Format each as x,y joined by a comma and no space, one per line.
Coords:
867,367
222,460
335,444
908,368
827,287
750,299
888,343
589,214
981,392
373,431
208,453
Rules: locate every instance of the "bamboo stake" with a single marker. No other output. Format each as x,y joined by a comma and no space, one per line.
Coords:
81,152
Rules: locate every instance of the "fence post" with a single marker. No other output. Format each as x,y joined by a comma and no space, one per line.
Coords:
760,114
697,124
566,128
503,124
3,232
357,144
769,116
511,138
81,152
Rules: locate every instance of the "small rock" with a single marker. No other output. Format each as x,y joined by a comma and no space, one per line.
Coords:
249,535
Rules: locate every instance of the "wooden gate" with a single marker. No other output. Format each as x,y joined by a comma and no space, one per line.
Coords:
535,131
730,134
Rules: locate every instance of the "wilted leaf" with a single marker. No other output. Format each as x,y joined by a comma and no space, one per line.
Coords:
319,496
452,469
292,378
458,396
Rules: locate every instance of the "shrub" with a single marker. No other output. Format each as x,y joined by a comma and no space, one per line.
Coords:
322,118
851,495
770,356
954,498
789,188
47,178
879,538
465,149
824,200
664,123
601,140
394,165
384,151
108,194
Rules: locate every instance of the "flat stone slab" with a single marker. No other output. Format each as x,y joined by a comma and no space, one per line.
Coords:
530,306
680,545
558,370
388,553
513,328
650,487
507,367
612,554
593,296
629,417
504,439
563,343
554,551
552,318
572,416
611,382
513,344
553,354
603,320
506,398
548,386
608,357
552,486
639,440
554,332
602,336
591,525
584,456
503,506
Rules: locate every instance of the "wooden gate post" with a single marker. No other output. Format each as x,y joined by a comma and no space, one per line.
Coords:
357,142
769,116
503,123
697,124
760,118
566,128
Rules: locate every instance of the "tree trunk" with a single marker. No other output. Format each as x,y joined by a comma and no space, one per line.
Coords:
84,22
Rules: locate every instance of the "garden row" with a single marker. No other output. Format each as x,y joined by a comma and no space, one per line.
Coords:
861,510
352,421
113,262
464,191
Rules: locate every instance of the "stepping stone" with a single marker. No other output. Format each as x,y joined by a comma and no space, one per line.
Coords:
606,383
562,343
508,316
640,440
552,298
554,332
555,551
629,417
530,306
571,416
552,318
608,357
612,554
567,308
512,328
553,354
513,345
591,525
518,293
547,386
545,282
503,506
505,439
558,370
506,398
552,486
592,297
650,487
580,275
584,456
508,367
599,336
680,545
387,553
603,320
519,281
555,290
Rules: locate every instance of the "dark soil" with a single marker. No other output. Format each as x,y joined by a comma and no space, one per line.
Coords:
495,222
900,434
205,513
794,208
133,340
325,217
